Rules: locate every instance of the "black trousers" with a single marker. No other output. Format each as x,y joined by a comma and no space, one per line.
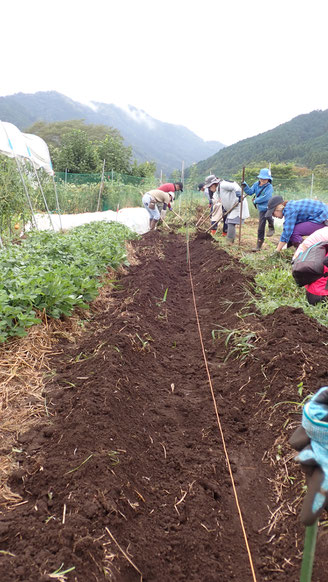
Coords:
225,226
262,221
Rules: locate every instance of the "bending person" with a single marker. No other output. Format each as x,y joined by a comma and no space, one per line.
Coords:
262,191
150,201
230,196
301,218
171,187
217,212
317,290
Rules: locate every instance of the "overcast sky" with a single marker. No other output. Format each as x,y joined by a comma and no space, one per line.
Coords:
227,70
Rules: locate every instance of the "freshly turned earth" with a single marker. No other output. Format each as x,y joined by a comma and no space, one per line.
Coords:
131,449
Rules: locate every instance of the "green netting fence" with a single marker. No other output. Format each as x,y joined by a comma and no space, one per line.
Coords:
79,193
84,193
77,179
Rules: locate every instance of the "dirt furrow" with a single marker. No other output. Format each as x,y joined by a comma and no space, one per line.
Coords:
131,450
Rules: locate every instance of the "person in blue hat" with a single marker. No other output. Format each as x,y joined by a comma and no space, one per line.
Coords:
262,191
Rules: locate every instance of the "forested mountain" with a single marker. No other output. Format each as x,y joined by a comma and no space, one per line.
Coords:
152,140
303,140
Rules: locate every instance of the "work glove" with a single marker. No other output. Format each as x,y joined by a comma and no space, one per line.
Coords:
253,200
163,214
311,440
238,194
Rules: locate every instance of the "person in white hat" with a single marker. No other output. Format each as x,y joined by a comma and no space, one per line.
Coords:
150,201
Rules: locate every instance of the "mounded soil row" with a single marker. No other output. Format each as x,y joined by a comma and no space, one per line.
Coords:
126,476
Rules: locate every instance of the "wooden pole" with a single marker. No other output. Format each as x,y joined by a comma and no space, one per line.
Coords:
101,185
241,205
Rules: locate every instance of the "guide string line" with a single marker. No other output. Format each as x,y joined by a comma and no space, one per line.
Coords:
218,418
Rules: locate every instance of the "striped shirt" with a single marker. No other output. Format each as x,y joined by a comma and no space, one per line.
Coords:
297,211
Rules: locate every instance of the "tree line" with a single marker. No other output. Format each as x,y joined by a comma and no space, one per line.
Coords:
81,148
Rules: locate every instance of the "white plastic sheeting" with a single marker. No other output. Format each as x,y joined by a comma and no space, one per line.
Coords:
24,145
12,142
39,152
135,218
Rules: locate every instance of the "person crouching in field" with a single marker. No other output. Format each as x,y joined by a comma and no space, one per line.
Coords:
262,191
301,218
151,200
316,291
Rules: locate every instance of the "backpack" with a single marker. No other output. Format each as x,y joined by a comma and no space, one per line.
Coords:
309,265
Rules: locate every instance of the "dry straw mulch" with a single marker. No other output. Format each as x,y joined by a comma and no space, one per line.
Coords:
24,372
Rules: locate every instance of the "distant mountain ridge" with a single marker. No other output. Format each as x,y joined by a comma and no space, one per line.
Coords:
165,143
303,140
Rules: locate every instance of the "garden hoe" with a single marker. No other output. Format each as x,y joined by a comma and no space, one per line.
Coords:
180,217
203,217
165,223
222,218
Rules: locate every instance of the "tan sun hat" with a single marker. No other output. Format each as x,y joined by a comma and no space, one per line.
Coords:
210,180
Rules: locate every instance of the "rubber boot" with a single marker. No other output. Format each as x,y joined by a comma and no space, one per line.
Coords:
230,241
270,231
258,246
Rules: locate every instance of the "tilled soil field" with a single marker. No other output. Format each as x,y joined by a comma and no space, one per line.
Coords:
126,478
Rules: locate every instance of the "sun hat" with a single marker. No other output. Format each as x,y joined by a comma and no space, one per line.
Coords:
210,180
265,174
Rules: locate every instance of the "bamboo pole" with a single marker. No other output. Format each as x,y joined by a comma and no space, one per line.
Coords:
101,185
43,195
